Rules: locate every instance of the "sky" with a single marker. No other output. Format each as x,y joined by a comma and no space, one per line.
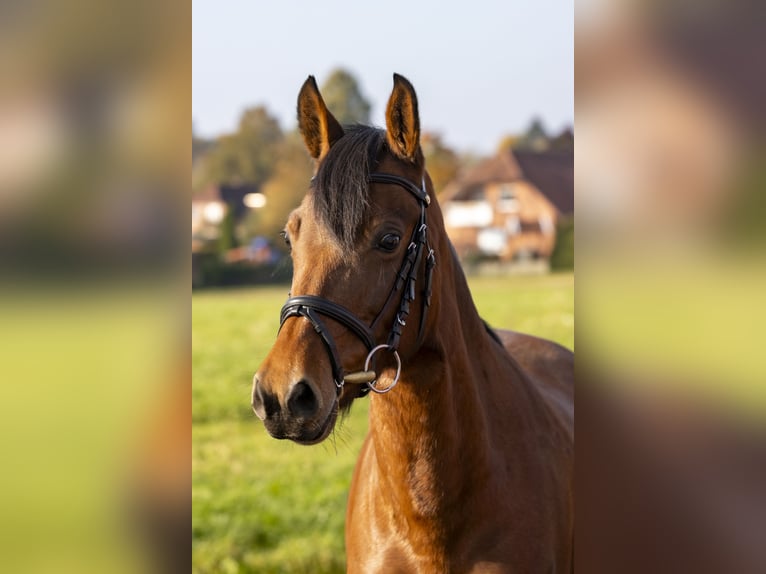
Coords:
482,69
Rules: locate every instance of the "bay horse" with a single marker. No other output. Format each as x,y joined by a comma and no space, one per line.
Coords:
468,463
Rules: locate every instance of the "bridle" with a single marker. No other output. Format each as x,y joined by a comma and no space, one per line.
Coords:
311,306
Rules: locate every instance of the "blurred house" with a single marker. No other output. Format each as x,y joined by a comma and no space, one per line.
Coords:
258,251
211,205
208,210
508,206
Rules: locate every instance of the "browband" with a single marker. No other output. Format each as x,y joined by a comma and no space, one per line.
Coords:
418,192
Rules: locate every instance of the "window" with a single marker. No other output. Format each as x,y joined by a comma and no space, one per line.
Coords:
468,214
546,224
508,202
513,225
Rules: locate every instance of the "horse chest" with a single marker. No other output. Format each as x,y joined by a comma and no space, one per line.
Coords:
403,528
385,535
380,534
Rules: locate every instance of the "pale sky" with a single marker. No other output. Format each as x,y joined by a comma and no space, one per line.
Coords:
481,68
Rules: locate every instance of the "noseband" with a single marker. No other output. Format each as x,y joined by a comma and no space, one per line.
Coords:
311,307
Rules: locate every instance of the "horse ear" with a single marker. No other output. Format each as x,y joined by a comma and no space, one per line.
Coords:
402,120
318,126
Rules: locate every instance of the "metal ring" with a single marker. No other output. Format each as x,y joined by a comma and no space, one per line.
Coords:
398,369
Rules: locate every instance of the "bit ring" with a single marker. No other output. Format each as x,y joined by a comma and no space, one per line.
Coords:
372,384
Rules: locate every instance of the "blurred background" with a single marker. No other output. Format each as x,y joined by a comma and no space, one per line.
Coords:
95,273
670,194
94,286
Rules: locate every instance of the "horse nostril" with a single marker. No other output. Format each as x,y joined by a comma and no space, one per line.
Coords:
302,402
259,406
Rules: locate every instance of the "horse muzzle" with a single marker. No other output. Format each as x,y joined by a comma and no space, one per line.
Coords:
298,416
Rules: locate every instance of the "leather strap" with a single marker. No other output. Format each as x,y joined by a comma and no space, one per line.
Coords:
332,310
419,192
310,306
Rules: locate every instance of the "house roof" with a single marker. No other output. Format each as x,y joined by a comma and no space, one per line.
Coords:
552,172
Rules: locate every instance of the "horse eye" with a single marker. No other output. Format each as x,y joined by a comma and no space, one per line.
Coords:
286,237
389,242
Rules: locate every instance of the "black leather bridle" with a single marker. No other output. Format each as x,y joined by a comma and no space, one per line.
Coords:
311,306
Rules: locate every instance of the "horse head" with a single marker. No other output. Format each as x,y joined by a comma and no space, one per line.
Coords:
362,262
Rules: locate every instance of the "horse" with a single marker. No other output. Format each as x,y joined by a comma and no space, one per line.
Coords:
468,462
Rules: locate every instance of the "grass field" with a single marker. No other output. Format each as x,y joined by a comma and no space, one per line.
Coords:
262,505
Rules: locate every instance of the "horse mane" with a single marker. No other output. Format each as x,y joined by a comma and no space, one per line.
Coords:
340,189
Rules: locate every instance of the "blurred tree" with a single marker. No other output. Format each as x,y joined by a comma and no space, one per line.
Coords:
198,144
508,142
283,191
227,238
535,138
564,141
200,149
563,257
344,99
441,161
249,154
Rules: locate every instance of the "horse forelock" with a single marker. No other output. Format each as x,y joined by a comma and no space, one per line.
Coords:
340,190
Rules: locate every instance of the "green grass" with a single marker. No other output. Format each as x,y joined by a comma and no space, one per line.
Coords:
262,505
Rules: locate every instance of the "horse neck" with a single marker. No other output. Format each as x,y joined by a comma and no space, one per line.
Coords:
435,421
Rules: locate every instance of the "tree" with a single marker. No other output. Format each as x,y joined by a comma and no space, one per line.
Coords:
200,149
227,238
564,141
441,161
344,99
534,138
199,145
248,155
563,257
508,142
284,190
